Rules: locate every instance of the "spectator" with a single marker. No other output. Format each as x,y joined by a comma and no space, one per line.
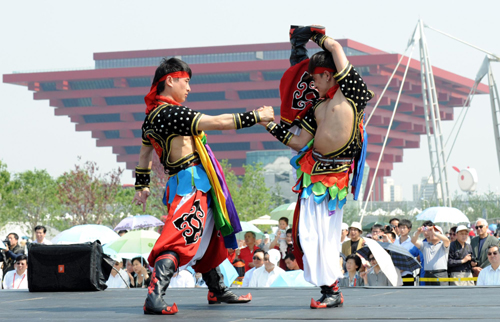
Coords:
345,232
40,232
18,278
289,241
280,239
435,250
356,242
231,255
480,245
265,276
490,275
351,277
394,222
374,276
122,232
182,279
11,253
377,232
460,256
142,274
258,261
246,254
199,282
118,278
388,236
291,262
128,266
453,234
404,241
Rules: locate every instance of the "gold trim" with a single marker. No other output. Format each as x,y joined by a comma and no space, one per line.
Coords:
343,69
194,124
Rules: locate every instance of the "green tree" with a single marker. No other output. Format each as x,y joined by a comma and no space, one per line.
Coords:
87,195
5,193
33,198
251,197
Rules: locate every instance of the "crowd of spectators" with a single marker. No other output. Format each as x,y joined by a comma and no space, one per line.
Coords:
458,253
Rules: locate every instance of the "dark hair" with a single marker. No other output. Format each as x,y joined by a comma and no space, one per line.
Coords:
405,222
289,231
140,260
259,251
168,66
377,226
122,231
40,227
491,246
251,232
390,221
357,260
290,256
16,236
454,229
321,59
22,258
284,219
427,223
392,234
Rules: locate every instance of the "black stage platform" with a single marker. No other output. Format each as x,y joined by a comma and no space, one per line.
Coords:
272,304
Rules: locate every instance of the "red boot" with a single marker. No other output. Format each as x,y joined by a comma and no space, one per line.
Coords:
219,292
332,297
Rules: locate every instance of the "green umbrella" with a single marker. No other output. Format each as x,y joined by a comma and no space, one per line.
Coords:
369,226
285,210
246,226
134,243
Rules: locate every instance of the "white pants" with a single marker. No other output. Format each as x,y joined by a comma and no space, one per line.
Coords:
319,235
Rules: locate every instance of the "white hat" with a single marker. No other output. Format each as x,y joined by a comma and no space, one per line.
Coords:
439,229
345,226
274,256
462,227
116,258
356,225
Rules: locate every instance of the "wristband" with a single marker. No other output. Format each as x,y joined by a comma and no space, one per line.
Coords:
279,132
247,119
319,39
142,178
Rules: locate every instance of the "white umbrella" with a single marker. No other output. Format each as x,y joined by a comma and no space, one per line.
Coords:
384,260
86,233
443,214
285,210
138,222
264,220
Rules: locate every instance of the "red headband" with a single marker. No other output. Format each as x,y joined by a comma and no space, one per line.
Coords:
321,70
150,99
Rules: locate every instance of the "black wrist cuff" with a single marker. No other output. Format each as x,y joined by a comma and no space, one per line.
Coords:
247,119
142,178
319,39
279,133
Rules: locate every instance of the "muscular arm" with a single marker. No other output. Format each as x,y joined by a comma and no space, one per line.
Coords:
235,121
146,156
297,142
339,57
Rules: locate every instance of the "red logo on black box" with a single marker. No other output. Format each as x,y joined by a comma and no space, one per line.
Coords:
60,269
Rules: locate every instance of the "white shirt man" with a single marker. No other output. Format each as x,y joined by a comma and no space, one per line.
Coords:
490,275
18,278
40,232
115,278
266,275
258,261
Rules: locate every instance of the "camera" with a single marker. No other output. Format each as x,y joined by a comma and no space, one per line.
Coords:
6,242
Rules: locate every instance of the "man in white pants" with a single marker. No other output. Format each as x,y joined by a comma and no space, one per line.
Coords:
330,146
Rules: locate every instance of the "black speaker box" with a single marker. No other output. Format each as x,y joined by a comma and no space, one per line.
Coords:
67,268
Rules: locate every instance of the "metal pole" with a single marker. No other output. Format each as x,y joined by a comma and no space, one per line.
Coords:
495,105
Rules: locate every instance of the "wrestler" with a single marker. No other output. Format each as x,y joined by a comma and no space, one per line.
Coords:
201,221
329,142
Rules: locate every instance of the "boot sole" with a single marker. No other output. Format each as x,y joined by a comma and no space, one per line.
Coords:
220,302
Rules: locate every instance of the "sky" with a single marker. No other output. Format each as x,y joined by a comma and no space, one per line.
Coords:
50,35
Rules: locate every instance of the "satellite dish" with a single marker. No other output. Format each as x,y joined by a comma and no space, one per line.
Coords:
467,180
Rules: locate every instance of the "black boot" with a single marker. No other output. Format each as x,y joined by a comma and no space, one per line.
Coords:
218,292
165,268
299,36
332,297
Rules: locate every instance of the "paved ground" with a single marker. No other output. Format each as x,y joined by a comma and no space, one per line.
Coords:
275,304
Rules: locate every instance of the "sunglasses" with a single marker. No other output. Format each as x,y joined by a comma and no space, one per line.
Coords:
493,254
257,258
479,227
371,258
